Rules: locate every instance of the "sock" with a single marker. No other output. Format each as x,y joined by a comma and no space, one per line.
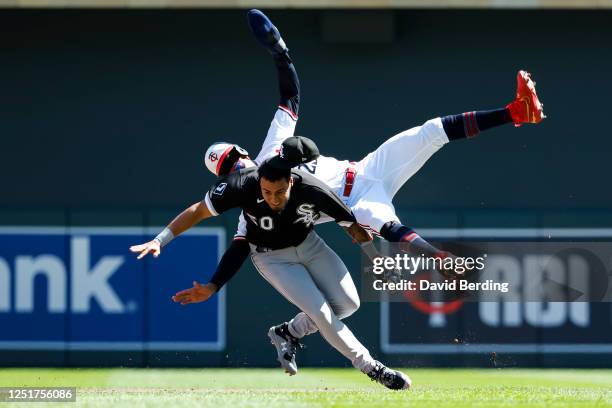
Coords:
469,124
395,232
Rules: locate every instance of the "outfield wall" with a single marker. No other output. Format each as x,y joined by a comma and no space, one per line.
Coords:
143,327
106,115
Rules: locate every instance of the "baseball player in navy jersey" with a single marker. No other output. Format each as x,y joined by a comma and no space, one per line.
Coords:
367,186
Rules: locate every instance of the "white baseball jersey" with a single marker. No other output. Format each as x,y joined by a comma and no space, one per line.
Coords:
379,175
327,169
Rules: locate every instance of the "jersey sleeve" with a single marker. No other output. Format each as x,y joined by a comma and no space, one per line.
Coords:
230,263
331,205
241,228
224,194
282,127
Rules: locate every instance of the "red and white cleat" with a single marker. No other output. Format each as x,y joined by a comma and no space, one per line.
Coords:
526,107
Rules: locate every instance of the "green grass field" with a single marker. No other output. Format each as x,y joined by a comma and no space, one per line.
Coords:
320,387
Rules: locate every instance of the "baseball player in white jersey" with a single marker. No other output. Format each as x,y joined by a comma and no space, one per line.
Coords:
366,186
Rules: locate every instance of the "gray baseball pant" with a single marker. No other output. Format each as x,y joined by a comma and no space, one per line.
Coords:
314,278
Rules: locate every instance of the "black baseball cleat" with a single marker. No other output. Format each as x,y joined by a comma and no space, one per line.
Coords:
286,347
266,33
391,379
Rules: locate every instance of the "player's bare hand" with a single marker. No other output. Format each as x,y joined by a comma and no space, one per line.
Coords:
359,234
196,294
152,247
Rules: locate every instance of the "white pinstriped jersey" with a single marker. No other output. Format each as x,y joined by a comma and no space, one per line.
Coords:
379,175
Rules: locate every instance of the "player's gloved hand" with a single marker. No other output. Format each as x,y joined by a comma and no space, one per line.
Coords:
198,293
152,247
359,234
449,269
453,272
454,269
265,32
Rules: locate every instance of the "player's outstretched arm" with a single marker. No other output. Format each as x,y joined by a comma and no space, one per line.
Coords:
358,233
229,265
329,203
284,122
230,262
413,243
185,220
196,294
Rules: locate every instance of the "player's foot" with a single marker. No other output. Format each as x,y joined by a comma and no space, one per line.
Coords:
526,107
265,32
391,379
286,347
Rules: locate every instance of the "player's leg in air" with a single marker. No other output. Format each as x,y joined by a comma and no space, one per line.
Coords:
400,157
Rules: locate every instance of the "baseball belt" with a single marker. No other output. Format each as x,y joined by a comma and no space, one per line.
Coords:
349,179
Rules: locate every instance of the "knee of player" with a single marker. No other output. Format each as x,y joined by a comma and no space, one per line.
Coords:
348,307
321,315
434,131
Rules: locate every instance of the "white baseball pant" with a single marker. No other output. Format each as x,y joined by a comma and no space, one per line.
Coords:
384,171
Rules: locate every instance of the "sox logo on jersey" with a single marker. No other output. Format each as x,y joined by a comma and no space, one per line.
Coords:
306,212
307,215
